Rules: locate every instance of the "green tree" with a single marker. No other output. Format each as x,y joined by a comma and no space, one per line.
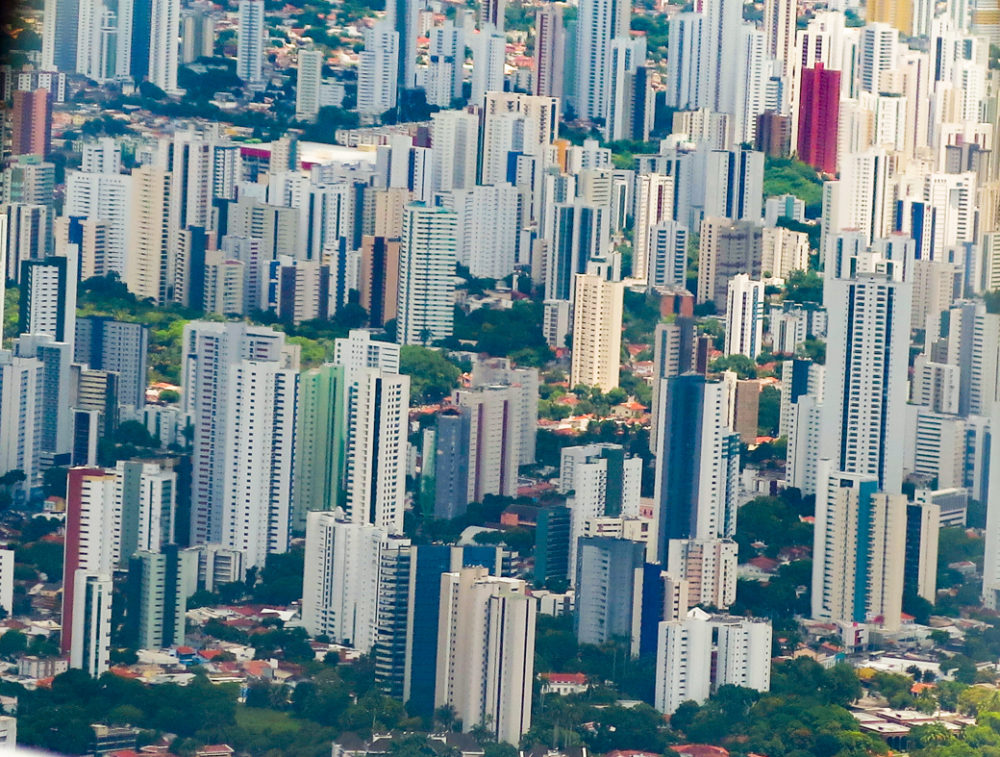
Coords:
804,286
432,375
743,366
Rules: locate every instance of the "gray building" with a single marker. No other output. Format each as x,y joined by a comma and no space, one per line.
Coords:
451,463
609,576
104,344
159,584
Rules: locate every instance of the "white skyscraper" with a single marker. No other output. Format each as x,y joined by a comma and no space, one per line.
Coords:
701,652
149,260
103,196
341,582
668,254
424,311
859,549
654,204
877,52
488,226
486,652
683,81
240,386
779,28
308,81
866,373
597,336
627,106
163,44
752,69
92,550
446,64
598,22
21,408
454,150
722,71
494,440
744,316
250,42
377,406
378,70
515,122
488,52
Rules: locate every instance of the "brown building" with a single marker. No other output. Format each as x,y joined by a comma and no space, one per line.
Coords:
379,278
31,127
774,134
747,409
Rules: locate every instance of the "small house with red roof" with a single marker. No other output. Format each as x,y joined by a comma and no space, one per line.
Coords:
564,683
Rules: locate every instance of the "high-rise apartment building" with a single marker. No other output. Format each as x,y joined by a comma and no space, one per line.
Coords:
164,31
446,65
819,116
250,41
102,195
654,204
709,568
22,404
866,372
409,599
31,123
425,309
342,577
308,82
598,481
597,335
149,265
744,317
779,30
697,462
859,549
550,51
320,429
598,23
494,440
102,343
376,412
486,651
48,300
700,652
240,391
158,587
726,250
524,382
378,69
92,550
608,588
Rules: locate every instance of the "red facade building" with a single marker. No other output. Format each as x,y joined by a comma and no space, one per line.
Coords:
31,123
819,117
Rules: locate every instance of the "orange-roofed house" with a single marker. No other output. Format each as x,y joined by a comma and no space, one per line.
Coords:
564,683
215,750
700,750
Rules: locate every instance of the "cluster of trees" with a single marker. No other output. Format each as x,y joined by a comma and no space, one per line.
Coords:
59,718
789,176
514,332
591,400
803,714
776,522
804,286
432,374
